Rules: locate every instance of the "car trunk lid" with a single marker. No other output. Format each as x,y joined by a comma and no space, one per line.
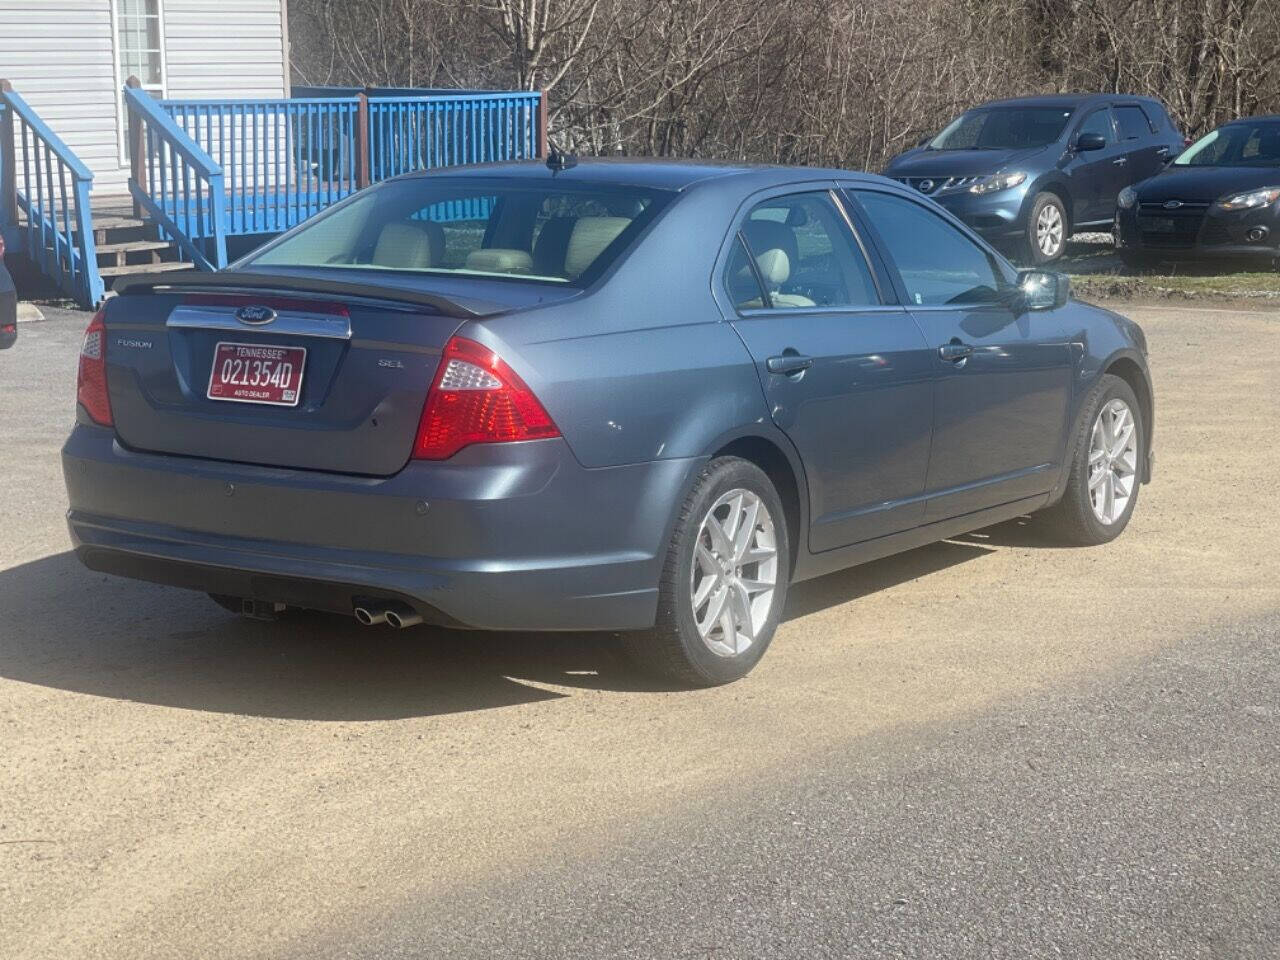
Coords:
371,352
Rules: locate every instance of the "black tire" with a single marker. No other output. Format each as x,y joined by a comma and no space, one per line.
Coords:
674,650
1072,519
1032,253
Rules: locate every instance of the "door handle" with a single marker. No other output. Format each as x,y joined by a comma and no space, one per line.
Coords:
1162,152
955,352
790,363
1120,161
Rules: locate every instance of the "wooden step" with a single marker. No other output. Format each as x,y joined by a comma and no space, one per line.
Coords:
142,268
132,246
99,223
116,223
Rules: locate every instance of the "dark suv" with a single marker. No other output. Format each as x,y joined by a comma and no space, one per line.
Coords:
1030,172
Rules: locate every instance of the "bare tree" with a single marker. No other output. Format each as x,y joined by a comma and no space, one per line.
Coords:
839,82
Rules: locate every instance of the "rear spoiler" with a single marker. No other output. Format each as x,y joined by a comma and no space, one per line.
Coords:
233,281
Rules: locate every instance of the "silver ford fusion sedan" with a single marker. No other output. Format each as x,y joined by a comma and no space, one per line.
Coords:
627,396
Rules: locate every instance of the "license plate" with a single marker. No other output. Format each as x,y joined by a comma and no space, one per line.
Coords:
1160,224
257,373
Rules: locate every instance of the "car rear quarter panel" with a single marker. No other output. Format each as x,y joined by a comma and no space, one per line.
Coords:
643,366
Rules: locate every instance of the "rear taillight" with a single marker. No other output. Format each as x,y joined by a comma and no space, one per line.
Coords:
477,398
91,382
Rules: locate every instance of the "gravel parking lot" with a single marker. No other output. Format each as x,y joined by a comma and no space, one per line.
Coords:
983,748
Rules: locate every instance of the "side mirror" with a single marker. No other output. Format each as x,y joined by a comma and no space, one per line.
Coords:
1043,289
1090,141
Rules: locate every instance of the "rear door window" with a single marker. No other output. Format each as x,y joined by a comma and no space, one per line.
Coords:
1134,124
740,279
805,255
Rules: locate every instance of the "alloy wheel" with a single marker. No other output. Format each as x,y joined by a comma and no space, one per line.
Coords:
1113,461
1049,229
734,572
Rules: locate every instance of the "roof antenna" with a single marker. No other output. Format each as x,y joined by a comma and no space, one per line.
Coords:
557,161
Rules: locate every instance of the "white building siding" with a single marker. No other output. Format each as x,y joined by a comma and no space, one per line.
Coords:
225,48
60,56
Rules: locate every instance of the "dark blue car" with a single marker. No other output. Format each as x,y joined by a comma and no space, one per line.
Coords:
632,396
1219,199
1027,173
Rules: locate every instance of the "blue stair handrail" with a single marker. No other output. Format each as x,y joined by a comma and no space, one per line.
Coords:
43,179
175,181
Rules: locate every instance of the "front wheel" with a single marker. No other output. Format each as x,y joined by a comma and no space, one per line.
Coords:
724,581
1106,469
1047,229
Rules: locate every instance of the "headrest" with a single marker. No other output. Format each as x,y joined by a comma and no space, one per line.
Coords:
775,267
588,240
500,260
410,244
774,246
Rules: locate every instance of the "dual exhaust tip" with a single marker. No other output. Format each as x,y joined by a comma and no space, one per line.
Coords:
396,615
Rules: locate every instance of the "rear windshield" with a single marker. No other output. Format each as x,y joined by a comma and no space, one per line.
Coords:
1235,145
548,232
1003,128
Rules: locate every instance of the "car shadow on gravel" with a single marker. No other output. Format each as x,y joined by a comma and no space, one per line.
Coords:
68,628
844,586
1018,532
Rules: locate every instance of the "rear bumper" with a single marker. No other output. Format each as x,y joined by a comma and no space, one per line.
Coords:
508,537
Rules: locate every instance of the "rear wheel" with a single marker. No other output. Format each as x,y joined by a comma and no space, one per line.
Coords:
1106,469
724,581
1047,229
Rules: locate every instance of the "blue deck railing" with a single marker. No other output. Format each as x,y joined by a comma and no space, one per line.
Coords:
44,200
421,132
205,170
282,160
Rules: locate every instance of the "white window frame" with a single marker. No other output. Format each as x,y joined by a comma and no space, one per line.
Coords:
159,90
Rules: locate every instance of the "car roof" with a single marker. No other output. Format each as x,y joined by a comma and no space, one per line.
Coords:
1265,118
1071,100
653,173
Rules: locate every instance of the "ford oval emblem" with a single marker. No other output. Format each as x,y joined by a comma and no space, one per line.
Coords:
255,315
1172,204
